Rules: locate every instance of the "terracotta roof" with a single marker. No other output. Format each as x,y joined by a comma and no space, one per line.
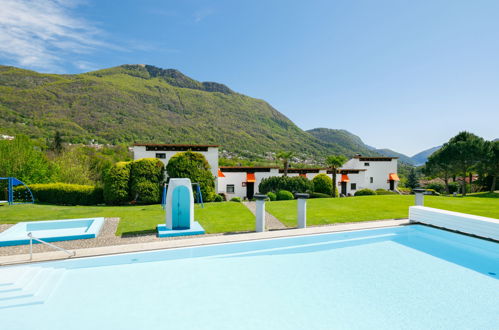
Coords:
373,159
175,145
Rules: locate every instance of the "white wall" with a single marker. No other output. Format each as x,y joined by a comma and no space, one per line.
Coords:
378,170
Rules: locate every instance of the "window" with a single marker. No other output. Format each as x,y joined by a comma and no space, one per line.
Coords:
371,179
161,155
230,189
353,186
366,164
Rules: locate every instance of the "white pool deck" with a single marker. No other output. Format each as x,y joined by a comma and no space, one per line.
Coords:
199,241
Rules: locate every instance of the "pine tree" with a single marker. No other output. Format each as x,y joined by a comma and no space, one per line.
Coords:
412,179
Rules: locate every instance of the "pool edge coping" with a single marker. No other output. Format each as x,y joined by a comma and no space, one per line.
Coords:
198,241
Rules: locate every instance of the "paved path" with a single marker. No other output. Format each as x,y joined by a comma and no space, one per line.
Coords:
271,222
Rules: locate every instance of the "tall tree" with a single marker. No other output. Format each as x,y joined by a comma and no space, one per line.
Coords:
466,150
57,145
285,157
412,179
440,164
489,165
334,162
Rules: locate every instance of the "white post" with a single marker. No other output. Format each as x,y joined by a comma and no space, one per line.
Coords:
419,199
302,210
260,212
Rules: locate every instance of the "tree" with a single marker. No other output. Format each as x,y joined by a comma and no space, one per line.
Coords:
284,157
489,165
465,151
57,146
22,159
334,162
440,164
412,179
194,166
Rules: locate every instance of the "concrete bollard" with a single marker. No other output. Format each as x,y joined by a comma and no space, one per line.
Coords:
419,199
260,212
302,209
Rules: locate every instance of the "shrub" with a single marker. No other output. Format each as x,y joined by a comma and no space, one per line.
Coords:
319,195
116,184
67,194
436,186
236,199
224,197
146,176
295,184
323,184
218,198
272,196
365,192
385,192
194,166
284,195
454,187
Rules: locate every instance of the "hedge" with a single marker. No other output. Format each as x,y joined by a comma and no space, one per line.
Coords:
236,199
116,184
365,192
295,184
67,194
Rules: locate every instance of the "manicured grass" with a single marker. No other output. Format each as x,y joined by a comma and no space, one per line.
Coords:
334,210
214,217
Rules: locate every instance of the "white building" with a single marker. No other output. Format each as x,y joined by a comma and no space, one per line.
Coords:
358,173
166,151
243,181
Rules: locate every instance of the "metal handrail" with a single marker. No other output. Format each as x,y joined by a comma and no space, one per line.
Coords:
31,238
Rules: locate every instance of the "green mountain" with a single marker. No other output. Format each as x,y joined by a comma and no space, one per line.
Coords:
343,138
142,103
353,142
421,157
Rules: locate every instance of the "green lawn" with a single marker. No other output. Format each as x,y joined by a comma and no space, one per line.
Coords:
214,217
333,210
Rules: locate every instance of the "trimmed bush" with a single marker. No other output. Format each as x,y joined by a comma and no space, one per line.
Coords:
320,195
218,198
284,195
454,187
67,194
236,199
272,196
323,184
295,184
116,184
146,176
194,166
365,192
385,192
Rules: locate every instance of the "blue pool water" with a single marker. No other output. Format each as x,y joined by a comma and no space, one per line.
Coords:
412,277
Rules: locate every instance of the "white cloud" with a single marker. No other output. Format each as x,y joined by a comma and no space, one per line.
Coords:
44,33
202,14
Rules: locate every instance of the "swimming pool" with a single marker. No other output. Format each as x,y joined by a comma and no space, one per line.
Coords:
410,277
51,230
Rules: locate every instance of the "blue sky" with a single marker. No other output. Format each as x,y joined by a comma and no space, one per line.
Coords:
405,75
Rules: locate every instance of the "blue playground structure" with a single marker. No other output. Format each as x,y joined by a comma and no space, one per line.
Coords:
178,203
15,196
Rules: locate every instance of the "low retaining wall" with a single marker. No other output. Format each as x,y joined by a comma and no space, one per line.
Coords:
462,222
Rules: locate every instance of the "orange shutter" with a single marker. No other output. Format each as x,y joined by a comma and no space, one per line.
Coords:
250,177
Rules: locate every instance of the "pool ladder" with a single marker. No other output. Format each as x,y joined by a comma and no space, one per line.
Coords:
31,238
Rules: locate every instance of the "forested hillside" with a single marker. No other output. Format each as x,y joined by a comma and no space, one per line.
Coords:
141,103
